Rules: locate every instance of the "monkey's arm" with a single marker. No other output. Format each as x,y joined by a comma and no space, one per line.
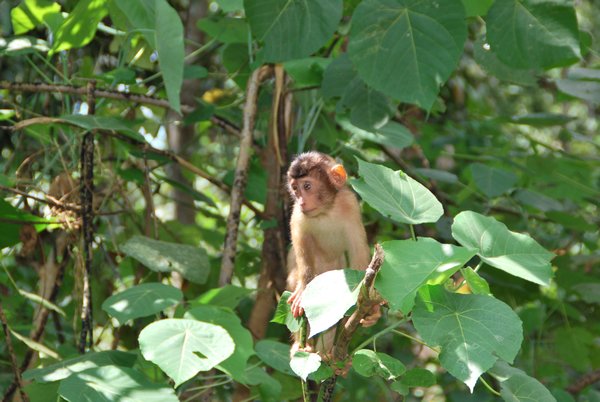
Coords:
303,272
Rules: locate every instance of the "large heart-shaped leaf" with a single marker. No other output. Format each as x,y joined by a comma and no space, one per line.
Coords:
407,48
235,365
533,33
516,386
408,265
160,256
65,368
328,296
103,384
396,195
292,29
173,343
141,301
515,253
472,330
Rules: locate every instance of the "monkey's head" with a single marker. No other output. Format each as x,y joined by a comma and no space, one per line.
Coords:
314,180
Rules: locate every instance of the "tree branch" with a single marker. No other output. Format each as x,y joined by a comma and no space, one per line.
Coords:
583,382
13,357
241,173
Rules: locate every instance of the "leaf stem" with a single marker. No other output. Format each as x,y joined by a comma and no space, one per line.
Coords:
377,335
489,387
412,338
412,232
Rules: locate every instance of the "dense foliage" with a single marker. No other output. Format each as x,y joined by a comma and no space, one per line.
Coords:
132,131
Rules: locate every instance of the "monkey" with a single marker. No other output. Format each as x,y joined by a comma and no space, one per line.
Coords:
325,225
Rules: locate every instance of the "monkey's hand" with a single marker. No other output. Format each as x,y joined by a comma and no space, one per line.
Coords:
373,316
295,299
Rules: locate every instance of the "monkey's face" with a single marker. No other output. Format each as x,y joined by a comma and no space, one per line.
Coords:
310,195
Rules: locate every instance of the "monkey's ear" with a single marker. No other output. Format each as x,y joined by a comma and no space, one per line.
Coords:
338,176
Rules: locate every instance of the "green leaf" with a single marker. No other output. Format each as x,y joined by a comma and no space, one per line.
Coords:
407,48
159,256
90,122
586,90
12,220
169,46
589,292
328,296
516,386
418,377
515,253
39,299
79,28
234,365
369,363
225,29
472,330
275,355
542,119
492,181
38,347
490,62
292,29
283,314
533,33
307,72
574,346
65,368
304,363
476,283
174,344
103,384
269,388
408,265
32,13
437,175
396,195
475,8
227,296
231,5
392,134
141,301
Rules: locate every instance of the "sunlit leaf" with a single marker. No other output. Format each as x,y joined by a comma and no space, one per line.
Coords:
103,384
65,368
175,344
328,296
407,48
38,347
408,265
472,330
141,301
396,195
515,253
169,46
235,364
227,296
79,28
304,363
369,363
476,283
32,13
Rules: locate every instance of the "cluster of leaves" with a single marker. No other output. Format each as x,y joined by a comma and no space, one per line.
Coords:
507,141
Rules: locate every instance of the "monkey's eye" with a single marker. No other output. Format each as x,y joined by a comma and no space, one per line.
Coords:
307,186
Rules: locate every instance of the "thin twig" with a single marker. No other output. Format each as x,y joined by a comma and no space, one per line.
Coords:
241,173
11,354
584,382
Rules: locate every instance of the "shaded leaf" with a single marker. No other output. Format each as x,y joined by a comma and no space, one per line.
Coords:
37,346
392,134
533,33
408,265
542,119
472,330
516,386
159,256
141,301
283,314
492,181
418,377
476,283
292,29
369,363
515,253
173,344
328,296
407,48
65,368
227,296
275,355
586,90
396,195
103,384
307,72
225,29
169,46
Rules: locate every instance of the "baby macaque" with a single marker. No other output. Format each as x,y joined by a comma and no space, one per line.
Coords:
326,227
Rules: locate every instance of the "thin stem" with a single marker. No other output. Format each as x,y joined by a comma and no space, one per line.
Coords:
476,269
412,338
304,391
380,333
489,387
412,232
